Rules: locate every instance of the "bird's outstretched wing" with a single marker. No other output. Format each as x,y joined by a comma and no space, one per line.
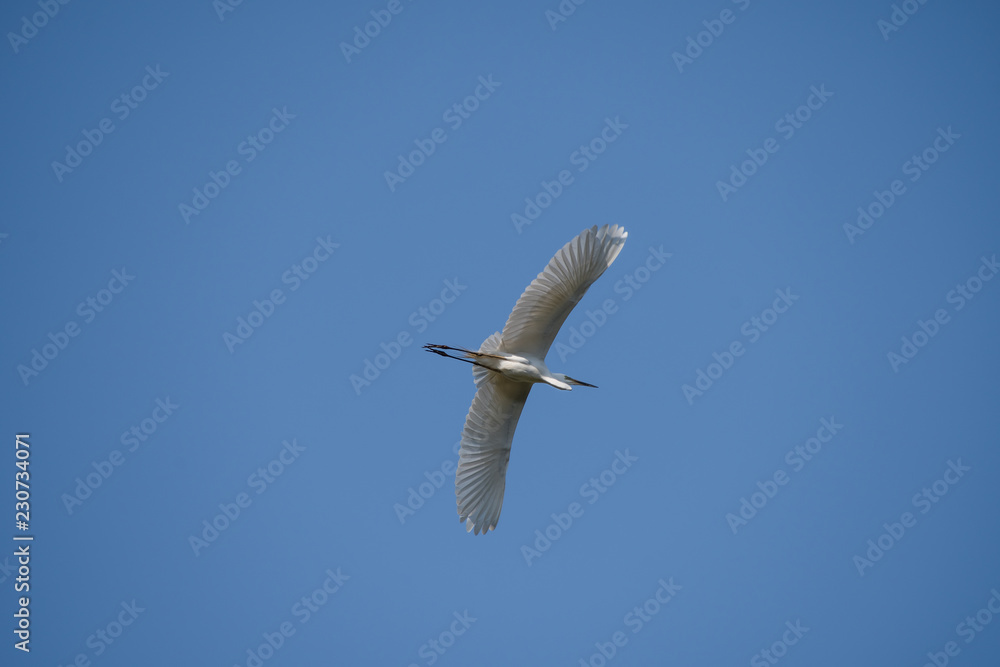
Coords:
548,300
482,460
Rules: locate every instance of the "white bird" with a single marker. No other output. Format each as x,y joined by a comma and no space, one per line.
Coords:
508,363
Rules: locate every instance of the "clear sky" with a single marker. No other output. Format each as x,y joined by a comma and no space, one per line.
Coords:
227,229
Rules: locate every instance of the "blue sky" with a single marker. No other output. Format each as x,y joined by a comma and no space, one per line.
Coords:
228,229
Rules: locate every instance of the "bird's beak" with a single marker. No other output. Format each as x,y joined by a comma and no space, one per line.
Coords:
577,382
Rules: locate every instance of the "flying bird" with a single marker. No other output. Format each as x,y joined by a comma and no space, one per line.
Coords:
508,363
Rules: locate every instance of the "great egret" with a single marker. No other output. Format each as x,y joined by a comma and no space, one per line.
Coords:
508,363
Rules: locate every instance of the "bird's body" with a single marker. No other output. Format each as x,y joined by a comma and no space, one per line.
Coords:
509,363
512,366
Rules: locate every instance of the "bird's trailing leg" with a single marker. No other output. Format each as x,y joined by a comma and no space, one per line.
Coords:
438,349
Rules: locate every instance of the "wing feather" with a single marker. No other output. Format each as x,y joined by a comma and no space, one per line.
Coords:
547,302
482,460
